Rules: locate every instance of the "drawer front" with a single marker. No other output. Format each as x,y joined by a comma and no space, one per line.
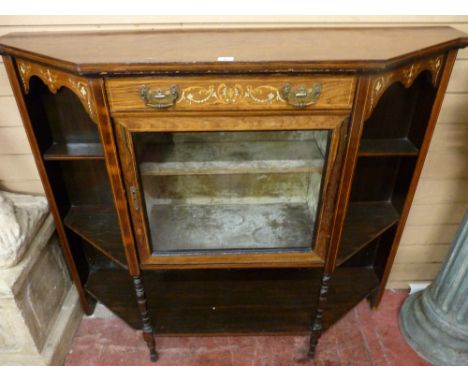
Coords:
230,93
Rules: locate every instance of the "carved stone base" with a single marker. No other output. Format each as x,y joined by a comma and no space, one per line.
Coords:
20,218
39,307
58,342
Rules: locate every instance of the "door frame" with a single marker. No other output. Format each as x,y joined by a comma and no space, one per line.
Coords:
131,123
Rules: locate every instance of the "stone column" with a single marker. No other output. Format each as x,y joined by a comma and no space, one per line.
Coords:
435,321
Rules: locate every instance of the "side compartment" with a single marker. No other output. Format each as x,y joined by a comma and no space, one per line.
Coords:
393,145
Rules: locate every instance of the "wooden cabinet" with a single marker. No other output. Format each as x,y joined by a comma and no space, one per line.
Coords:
235,181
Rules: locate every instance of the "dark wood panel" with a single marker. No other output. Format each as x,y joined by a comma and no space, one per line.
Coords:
86,182
72,151
365,221
63,119
375,178
99,227
349,286
391,117
232,301
387,147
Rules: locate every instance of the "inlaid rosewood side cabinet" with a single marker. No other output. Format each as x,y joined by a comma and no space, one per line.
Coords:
230,181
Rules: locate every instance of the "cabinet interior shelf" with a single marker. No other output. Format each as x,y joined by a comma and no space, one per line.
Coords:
232,227
387,147
365,221
98,226
192,158
73,151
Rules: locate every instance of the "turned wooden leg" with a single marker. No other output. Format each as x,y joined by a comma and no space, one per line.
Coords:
317,323
147,329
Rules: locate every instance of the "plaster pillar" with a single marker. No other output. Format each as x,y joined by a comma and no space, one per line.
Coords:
435,320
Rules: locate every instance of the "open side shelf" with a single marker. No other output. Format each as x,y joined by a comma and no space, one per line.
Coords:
387,147
73,156
99,227
365,221
74,151
387,158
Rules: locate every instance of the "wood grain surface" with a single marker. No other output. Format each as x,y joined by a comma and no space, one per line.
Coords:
283,49
228,93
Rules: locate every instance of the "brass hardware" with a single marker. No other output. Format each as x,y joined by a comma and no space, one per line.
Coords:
133,192
159,99
301,96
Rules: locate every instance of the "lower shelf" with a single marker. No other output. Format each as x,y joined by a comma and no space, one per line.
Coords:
387,147
364,222
72,151
99,227
231,226
241,301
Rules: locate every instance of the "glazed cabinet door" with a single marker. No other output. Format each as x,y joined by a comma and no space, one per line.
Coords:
244,190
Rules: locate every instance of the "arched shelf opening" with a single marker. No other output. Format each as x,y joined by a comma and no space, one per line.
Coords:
72,154
398,122
66,129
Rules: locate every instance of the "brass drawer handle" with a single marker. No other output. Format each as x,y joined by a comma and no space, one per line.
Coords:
301,96
159,99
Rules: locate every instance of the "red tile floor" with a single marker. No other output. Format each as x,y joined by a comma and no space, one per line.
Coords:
362,337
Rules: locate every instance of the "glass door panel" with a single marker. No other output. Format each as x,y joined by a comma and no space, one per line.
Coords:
231,191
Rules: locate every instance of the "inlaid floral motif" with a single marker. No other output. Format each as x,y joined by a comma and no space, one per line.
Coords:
406,75
54,80
230,94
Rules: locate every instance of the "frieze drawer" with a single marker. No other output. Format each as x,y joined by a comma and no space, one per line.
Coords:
233,93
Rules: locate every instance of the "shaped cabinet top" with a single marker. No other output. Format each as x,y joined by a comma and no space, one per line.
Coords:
232,50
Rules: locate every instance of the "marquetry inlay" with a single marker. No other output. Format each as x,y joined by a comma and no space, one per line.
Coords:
406,75
231,94
54,80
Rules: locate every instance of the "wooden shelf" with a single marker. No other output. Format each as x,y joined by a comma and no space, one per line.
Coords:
268,301
231,227
387,147
191,158
74,151
365,221
99,227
